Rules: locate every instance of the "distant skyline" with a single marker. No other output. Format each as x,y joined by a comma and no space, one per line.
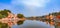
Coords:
31,7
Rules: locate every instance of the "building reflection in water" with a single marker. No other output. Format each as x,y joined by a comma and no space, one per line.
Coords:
52,20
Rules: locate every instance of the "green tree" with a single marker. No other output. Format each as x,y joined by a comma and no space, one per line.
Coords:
1,16
55,13
3,25
20,22
7,10
20,15
3,13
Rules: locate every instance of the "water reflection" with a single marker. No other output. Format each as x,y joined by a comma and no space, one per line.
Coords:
20,22
33,24
3,25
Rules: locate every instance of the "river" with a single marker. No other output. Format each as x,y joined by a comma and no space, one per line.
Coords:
33,24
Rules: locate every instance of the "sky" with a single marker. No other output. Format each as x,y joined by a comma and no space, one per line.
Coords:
31,7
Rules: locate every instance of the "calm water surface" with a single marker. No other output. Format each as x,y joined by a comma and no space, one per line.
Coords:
33,24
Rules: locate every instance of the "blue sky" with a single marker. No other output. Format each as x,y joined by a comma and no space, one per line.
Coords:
31,7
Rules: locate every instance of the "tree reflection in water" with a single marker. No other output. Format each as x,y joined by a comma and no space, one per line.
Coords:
20,22
3,25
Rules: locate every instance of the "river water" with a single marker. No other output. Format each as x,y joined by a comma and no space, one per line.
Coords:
33,24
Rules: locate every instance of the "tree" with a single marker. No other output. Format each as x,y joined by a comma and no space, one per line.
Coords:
1,16
7,10
54,13
20,15
20,22
3,13
3,25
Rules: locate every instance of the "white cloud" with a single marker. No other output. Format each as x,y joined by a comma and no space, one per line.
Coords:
37,3
31,6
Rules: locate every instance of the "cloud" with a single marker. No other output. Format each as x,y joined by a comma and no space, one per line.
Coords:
27,7
35,3
31,5
38,3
